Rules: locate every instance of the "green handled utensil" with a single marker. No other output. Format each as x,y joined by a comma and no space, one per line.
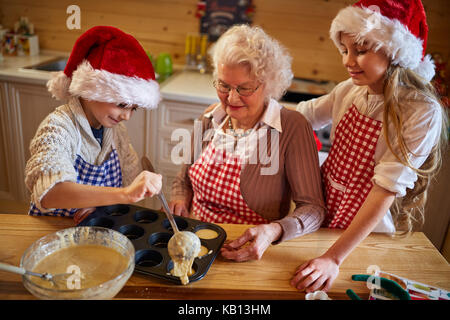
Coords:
387,284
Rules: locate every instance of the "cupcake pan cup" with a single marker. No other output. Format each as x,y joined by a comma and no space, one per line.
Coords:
149,231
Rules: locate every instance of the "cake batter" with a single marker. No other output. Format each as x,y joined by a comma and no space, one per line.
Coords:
97,264
204,251
183,248
206,234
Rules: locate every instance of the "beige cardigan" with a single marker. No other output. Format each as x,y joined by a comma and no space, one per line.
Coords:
54,150
298,178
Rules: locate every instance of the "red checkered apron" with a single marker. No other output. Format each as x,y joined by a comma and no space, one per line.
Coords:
217,194
349,167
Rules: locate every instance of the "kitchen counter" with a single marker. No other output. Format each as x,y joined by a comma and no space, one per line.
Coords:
413,257
191,86
12,68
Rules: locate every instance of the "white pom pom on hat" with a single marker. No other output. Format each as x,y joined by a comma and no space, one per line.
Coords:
59,85
108,65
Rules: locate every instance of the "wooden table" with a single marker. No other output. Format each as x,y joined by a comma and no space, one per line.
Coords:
413,257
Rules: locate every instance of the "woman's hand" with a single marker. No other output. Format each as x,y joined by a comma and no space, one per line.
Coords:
259,238
179,208
146,184
314,274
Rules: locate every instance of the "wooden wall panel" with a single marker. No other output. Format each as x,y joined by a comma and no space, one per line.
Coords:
161,25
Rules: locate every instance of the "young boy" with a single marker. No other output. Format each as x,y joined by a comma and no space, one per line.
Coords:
81,156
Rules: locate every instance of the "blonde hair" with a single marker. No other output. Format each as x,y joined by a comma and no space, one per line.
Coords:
408,211
268,61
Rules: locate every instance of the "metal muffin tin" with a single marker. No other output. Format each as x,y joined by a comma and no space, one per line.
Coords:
150,231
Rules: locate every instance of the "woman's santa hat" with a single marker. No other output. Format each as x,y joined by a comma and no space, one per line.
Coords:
398,27
107,65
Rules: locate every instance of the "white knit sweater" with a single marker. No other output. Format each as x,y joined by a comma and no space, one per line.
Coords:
54,146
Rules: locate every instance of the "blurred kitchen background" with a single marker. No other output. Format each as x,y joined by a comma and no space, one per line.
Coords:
161,26
170,30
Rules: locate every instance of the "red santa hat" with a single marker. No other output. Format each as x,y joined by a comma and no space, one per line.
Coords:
398,27
107,65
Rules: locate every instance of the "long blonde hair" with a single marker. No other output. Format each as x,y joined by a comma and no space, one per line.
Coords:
408,211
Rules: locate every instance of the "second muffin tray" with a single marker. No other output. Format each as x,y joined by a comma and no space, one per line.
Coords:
150,231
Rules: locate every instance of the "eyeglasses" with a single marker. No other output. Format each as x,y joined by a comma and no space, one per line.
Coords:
226,88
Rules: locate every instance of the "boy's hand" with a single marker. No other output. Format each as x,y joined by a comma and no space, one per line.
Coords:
146,184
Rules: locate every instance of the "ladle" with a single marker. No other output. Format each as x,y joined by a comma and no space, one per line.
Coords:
175,245
56,279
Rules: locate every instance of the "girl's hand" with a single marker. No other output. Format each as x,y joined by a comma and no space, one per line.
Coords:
314,274
259,238
322,271
146,184
179,208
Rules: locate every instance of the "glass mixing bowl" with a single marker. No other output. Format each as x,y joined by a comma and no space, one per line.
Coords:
73,237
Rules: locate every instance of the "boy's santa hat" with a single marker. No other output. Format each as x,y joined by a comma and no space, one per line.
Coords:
107,65
398,27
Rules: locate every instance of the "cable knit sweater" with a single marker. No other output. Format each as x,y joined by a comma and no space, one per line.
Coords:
54,147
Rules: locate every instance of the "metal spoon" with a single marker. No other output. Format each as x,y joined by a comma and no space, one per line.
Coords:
175,245
56,279
168,212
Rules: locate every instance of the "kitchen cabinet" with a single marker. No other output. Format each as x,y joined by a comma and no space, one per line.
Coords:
170,116
24,102
5,180
437,209
23,107
185,96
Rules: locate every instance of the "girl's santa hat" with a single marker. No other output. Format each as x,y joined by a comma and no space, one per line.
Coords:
107,65
398,27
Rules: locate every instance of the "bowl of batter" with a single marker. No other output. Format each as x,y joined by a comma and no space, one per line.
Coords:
96,261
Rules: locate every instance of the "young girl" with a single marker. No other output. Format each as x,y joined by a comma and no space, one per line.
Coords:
387,130
81,156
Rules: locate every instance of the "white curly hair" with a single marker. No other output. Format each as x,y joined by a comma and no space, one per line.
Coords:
268,61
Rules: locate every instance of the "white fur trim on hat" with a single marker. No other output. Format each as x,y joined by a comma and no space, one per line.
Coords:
104,86
380,32
101,85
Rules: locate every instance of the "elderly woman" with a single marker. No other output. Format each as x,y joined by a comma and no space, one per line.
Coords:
232,181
